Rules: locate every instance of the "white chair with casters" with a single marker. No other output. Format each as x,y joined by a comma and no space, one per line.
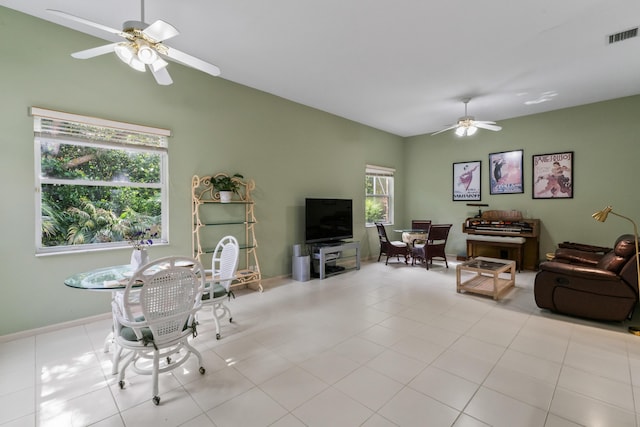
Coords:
155,317
224,265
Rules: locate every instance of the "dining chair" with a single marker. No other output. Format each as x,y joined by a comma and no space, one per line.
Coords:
416,236
434,247
155,317
421,224
391,248
224,265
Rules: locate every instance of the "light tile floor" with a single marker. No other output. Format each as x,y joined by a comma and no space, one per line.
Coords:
384,346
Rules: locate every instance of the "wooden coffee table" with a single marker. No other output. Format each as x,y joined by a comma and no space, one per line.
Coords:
487,279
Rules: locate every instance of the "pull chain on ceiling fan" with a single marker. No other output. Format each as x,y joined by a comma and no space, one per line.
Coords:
143,46
468,125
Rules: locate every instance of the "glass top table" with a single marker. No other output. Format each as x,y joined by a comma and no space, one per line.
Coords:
110,278
102,279
411,234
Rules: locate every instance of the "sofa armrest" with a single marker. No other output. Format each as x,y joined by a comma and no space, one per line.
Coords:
582,271
576,256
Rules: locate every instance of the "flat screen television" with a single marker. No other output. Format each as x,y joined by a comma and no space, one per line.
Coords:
328,220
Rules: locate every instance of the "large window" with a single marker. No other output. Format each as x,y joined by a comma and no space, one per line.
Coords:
100,183
379,194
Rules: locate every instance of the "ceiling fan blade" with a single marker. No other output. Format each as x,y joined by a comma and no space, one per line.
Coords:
485,121
192,61
488,126
160,31
445,129
85,21
95,51
162,76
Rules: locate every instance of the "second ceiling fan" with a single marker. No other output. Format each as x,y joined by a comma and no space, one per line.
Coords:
143,47
468,125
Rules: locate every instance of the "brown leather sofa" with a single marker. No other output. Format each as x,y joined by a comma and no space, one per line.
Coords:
586,281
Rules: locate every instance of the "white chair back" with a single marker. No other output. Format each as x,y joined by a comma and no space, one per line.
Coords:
224,263
164,296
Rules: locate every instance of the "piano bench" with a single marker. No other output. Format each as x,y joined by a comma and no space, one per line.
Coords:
502,242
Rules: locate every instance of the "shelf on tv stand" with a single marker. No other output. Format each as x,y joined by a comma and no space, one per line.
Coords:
328,252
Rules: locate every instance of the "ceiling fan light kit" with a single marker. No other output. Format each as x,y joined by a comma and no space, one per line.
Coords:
127,54
145,53
143,47
468,125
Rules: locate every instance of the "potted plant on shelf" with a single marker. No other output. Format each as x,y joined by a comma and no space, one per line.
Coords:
226,185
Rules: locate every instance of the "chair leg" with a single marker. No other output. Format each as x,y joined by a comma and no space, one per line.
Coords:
225,311
193,350
115,358
110,339
123,369
156,368
215,319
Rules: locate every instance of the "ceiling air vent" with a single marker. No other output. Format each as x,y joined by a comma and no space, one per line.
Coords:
623,35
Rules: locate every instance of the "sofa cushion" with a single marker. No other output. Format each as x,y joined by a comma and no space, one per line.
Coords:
613,261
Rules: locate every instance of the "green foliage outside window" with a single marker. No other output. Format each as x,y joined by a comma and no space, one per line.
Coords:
97,195
374,211
378,190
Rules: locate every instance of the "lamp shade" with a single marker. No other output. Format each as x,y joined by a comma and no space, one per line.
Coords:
137,65
127,54
124,52
147,55
603,214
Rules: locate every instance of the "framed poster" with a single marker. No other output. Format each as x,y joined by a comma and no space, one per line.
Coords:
553,176
506,176
466,180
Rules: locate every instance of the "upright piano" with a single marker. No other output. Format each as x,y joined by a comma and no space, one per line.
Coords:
504,234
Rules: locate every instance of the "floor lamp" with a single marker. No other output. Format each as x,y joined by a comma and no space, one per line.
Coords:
602,217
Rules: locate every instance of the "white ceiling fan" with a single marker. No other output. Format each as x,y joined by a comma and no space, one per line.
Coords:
143,47
468,125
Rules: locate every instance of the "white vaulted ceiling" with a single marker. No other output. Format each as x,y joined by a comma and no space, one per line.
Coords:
401,66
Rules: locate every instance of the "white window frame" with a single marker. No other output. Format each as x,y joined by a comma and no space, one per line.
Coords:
386,174
131,137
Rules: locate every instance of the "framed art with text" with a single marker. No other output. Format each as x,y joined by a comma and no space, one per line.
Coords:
553,176
506,175
466,181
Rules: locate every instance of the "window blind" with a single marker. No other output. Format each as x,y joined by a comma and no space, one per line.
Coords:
372,170
57,124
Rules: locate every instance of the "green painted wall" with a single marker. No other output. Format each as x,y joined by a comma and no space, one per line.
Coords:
290,150
606,146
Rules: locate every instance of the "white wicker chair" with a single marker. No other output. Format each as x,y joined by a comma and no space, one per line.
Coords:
155,316
224,265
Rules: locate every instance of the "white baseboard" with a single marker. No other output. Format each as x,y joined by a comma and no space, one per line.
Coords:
272,281
55,327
